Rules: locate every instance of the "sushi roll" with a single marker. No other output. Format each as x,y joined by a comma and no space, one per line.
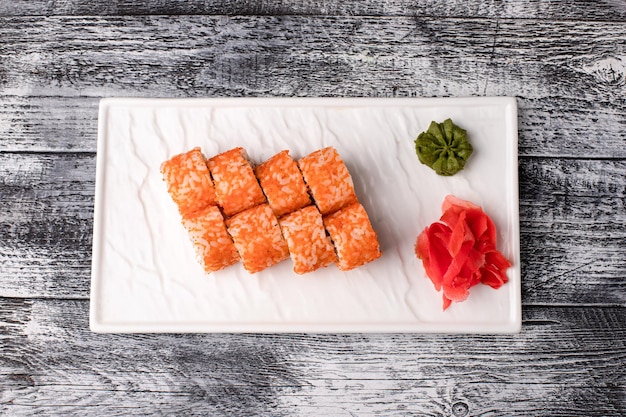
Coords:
328,180
258,238
214,247
354,238
282,183
188,181
309,246
236,187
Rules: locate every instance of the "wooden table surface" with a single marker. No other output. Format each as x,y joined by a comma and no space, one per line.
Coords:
564,60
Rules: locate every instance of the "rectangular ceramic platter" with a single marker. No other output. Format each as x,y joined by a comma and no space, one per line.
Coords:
145,277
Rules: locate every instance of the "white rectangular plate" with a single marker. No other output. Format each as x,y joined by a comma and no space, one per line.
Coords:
144,274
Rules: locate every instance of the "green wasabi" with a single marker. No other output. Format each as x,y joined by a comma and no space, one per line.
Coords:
443,147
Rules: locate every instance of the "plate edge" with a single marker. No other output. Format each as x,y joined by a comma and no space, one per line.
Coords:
94,292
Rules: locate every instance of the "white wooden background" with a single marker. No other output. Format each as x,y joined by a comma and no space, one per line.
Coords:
565,61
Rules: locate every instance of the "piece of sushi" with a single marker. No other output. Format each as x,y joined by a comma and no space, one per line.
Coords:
282,183
236,187
354,238
258,238
328,179
214,247
188,181
309,246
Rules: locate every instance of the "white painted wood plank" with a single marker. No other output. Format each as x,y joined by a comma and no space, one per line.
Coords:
572,221
548,127
516,9
566,361
569,76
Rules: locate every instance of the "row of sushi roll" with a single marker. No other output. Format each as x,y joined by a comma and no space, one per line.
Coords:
305,209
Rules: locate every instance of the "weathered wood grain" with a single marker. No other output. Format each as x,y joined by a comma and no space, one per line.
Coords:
548,127
572,217
613,10
48,124
570,77
571,128
46,222
564,60
128,55
564,359
568,208
55,366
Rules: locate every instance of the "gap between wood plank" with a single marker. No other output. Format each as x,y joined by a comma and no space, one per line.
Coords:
83,153
524,306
